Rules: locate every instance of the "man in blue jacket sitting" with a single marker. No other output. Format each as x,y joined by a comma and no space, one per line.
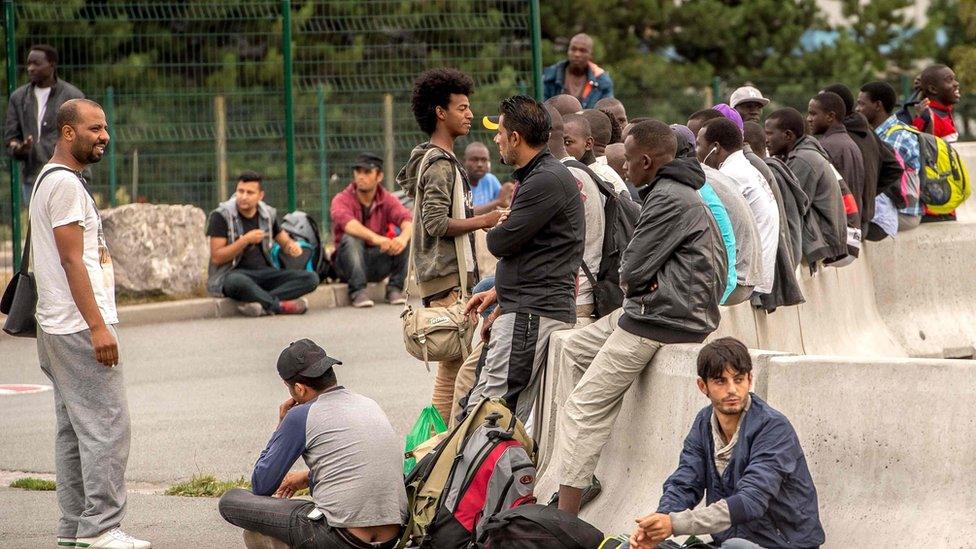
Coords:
745,458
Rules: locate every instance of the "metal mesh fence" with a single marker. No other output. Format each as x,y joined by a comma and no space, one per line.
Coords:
195,90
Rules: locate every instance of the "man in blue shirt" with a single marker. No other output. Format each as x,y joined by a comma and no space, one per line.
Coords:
746,459
877,102
487,193
355,465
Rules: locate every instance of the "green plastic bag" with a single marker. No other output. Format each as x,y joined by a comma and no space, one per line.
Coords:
428,424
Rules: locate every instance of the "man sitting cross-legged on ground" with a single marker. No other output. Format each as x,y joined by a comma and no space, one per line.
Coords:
241,230
673,275
365,220
746,459
354,459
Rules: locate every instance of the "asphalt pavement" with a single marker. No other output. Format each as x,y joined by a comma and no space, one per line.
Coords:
203,397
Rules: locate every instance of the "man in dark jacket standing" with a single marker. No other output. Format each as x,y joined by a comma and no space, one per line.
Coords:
673,275
746,459
29,134
539,246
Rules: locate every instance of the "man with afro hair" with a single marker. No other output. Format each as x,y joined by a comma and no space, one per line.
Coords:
443,223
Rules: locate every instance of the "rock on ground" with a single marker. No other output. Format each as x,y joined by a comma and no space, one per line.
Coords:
157,249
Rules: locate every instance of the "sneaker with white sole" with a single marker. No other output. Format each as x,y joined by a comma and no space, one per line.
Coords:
251,309
67,542
113,539
360,300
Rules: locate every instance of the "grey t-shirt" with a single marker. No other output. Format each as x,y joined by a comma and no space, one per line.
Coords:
353,454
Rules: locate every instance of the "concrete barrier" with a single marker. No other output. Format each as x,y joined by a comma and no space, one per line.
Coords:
924,288
643,450
890,445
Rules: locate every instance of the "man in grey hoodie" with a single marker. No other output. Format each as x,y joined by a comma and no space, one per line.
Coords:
786,138
436,180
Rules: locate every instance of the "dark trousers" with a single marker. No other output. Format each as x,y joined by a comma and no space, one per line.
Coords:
358,264
287,520
268,286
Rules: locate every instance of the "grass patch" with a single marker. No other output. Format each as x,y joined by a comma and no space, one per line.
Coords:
205,486
35,484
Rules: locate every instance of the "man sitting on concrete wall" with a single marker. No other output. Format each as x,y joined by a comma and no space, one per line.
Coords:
240,231
746,459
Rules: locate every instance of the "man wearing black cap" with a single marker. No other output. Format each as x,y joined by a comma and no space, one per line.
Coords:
371,230
355,465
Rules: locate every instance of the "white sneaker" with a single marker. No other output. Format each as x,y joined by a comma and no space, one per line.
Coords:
113,539
251,309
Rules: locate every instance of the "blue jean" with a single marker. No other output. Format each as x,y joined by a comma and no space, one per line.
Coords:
486,284
358,264
269,287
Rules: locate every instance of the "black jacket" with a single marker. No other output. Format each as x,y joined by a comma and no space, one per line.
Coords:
678,247
540,245
21,121
882,173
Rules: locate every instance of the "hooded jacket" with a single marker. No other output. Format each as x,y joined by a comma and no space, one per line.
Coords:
673,273
434,253
598,83
882,173
786,289
767,485
797,206
808,162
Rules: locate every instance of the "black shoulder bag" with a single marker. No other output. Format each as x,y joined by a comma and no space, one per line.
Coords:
19,301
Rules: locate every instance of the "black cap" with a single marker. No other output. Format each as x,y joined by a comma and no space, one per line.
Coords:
305,358
368,161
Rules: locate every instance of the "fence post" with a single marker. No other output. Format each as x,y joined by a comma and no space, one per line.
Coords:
388,142
716,90
906,87
8,9
536,48
110,118
323,164
220,119
289,103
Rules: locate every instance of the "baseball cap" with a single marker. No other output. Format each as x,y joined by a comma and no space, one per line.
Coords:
491,122
304,357
368,161
747,94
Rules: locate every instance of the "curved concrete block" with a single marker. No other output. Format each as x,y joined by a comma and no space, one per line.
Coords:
738,321
923,286
890,445
839,317
643,450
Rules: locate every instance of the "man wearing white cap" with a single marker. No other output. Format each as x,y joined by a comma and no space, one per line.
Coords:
749,102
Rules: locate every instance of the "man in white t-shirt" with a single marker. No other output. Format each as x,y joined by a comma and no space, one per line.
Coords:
77,343
29,134
720,146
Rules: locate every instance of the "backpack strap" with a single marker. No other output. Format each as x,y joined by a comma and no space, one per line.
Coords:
25,257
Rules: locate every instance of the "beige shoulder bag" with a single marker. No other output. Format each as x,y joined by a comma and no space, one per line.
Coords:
439,334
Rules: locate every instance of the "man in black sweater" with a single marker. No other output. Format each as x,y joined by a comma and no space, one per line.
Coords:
540,246
673,275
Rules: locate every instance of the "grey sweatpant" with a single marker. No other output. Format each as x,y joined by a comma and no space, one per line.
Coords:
91,446
516,352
